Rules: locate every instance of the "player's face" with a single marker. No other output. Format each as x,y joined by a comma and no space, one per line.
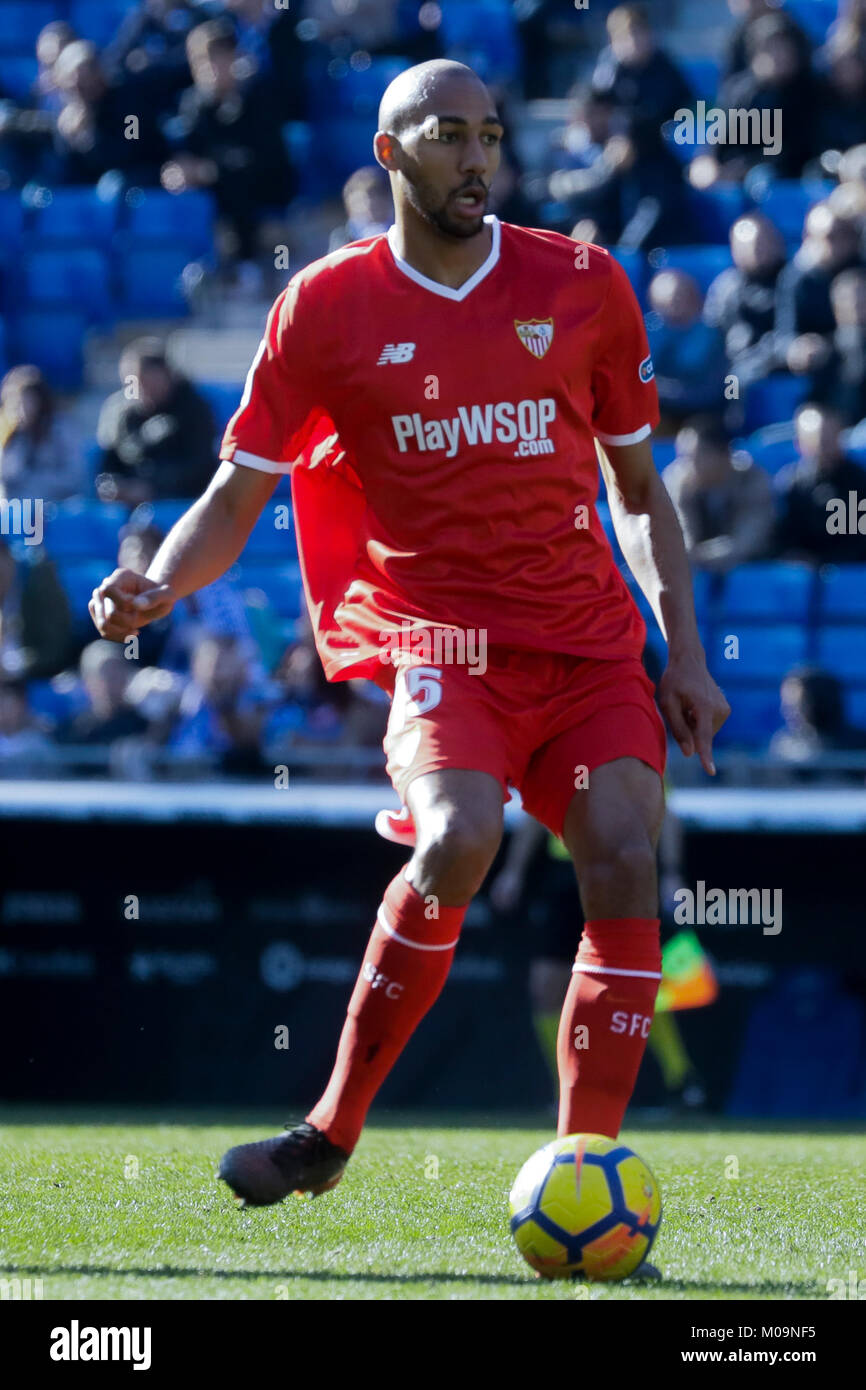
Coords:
449,159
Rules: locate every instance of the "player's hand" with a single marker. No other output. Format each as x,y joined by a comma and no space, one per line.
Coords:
694,707
126,601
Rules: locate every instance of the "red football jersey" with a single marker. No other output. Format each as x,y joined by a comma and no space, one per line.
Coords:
448,472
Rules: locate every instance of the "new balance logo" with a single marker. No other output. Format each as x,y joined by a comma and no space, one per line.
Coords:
396,352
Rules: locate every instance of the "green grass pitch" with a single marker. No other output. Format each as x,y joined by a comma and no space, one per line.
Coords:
125,1206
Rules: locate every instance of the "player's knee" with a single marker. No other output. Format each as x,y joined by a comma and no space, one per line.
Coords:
454,855
630,861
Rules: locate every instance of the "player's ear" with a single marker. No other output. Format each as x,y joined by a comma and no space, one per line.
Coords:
385,149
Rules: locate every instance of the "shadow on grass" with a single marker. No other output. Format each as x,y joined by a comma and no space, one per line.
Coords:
765,1289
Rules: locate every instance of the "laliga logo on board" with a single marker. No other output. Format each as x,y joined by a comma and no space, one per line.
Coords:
535,334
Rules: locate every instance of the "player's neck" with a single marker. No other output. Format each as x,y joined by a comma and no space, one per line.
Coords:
446,260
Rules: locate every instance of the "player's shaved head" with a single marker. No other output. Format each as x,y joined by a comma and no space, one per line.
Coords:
413,96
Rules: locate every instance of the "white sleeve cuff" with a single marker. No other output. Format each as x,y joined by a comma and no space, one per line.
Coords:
262,465
634,438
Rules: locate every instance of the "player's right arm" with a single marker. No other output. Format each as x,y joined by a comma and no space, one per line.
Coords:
201,546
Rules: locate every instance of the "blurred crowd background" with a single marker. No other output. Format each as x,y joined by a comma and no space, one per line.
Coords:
166,165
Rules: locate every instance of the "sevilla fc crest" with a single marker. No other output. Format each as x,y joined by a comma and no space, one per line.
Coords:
535,334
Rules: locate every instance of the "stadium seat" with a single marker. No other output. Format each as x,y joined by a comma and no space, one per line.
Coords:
85,529
179,219
72,278
267,543
52,339
21,21
223,397
715,210
163,512
345,145
786,201
357,92
98,20
764,591
755,716
772,400
766,653
79,578
18,72
842,652
842,593
664,452
771,446
855,705
703,263
74,215
280,583
482,34
815,16
702,75
11,223
703,587
151,281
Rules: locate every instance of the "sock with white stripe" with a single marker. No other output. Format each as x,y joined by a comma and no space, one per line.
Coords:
404,969
605,1022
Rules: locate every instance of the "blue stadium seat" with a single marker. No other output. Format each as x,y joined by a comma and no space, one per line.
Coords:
764,591
72,278
74,215
815,16
772,400
702,75
51,339
786,202
163,512
99,20
715,210
755,716
85,529
79,578
151,281
18,72
482,34
842,593
703,263
664,452
358,92
345,145
57,705
765,652
771,446
179,219
842,652
21,21
11,223
269,544
703,589
855,706
280,583
223,397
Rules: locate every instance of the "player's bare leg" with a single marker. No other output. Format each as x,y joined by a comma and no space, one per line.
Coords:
458,819
611,831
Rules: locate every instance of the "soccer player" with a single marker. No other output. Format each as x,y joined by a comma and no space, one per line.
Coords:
440,390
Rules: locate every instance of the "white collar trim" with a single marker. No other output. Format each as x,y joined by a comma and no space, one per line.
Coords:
445,291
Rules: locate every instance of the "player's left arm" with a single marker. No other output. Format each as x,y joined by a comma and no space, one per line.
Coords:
652,543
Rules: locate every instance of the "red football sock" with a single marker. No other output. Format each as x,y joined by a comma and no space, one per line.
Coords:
605,1021
406,965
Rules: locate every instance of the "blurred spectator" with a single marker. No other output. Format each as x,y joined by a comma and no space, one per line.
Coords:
227,139
821,475
136,550
813,711
640,79
841,113
221,711
376,26
803,307
268,36
688,354
747,13
151,40
35,621
838,361
310,710
94,134
741,302
105,676
156,433
368,205
40,451
23,745
725,508
587,178
50,44
507,198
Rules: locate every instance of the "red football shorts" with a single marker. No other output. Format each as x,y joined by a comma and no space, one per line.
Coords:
532,720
